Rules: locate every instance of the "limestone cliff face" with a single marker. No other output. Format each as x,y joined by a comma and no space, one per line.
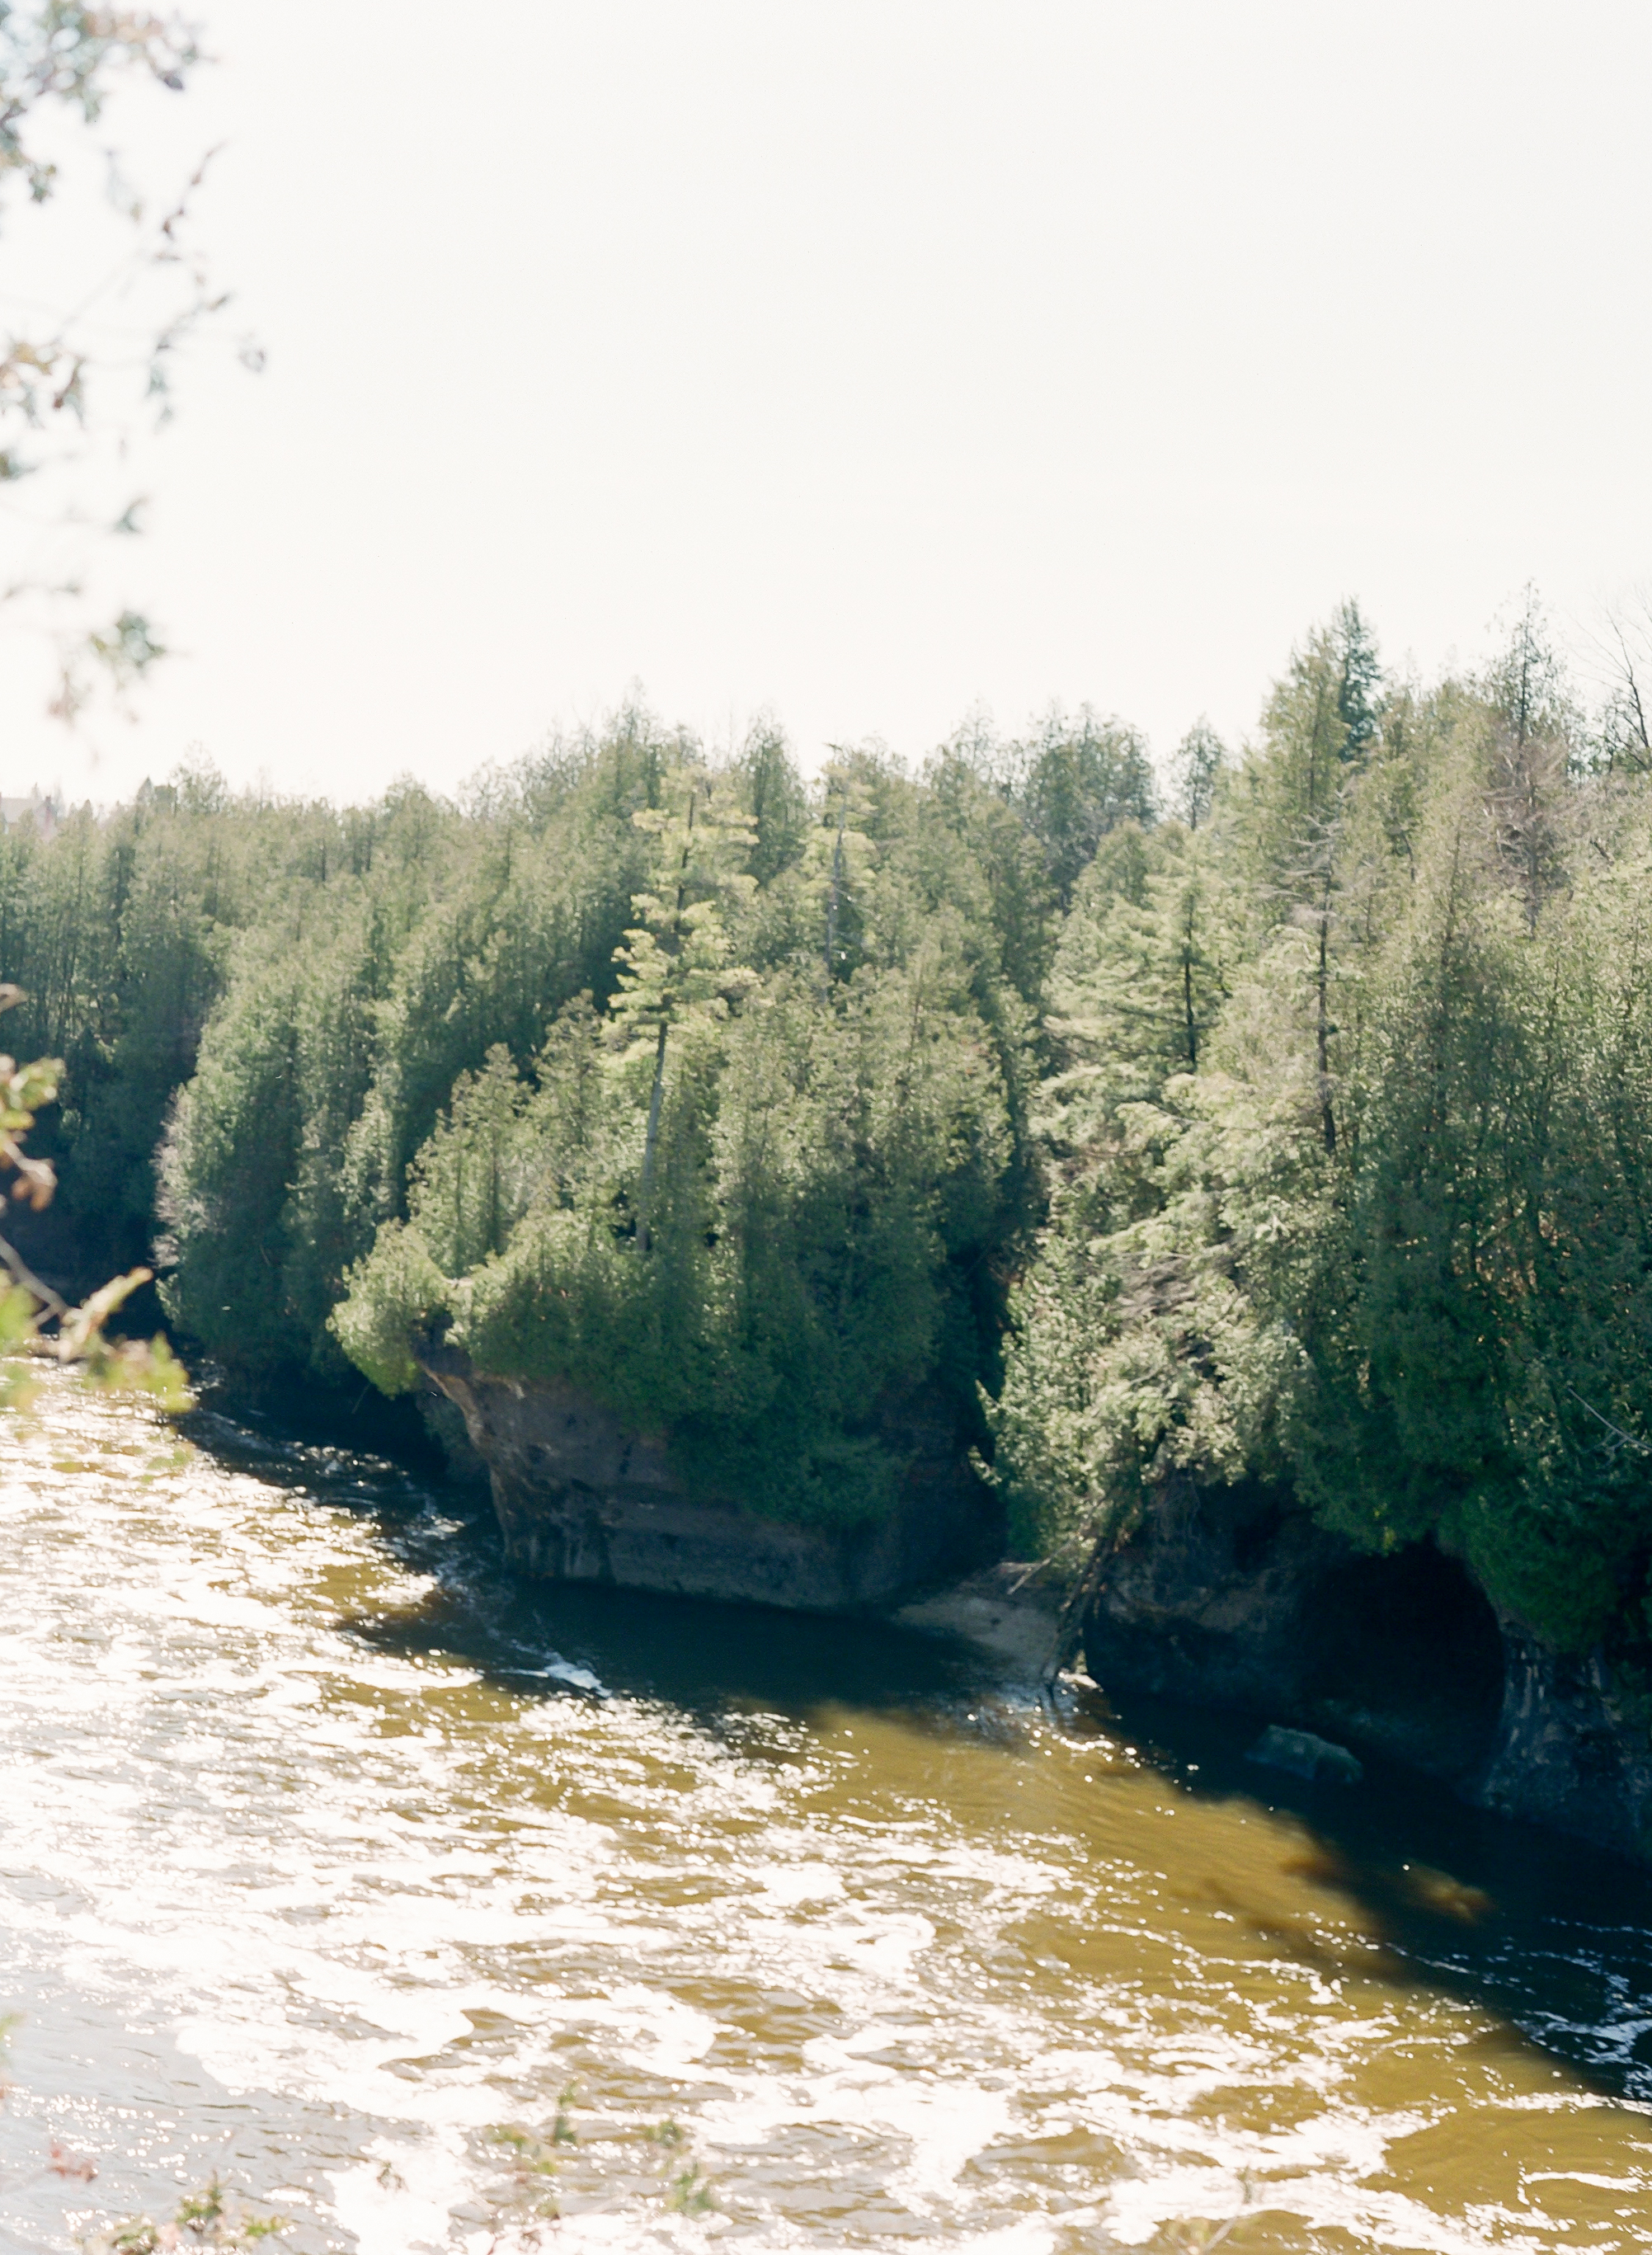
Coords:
1226,1596
1231,1596
1567,1752
582,1497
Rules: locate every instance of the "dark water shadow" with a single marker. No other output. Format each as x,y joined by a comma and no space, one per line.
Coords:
705,1659
1549,1935
700,1657
290,1430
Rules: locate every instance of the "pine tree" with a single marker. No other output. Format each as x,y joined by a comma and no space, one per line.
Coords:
676,960
1080,777
1196,770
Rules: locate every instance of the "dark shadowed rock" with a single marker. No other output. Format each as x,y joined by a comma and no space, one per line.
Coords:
1305,1755
1572,1751
1208,1599
583,1497
1230,1597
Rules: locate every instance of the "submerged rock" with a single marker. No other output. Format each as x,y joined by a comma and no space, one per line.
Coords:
583,1497
1305,1755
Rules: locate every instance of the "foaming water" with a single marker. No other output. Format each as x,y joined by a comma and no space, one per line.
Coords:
327,1851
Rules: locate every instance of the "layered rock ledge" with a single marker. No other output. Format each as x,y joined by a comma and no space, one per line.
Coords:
582,1497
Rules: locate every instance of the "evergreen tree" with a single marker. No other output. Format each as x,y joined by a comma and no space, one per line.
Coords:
1358,682
1384,1248
1196,769
1306,1145
676,959
1079,779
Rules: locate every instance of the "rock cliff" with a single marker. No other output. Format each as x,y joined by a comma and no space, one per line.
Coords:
1227,1596
582,1497
1232,1596
1571,1750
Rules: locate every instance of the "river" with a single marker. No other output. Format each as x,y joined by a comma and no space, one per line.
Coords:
333,1860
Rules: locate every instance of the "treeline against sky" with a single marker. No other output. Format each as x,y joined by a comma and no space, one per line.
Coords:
1286,1121
297,1036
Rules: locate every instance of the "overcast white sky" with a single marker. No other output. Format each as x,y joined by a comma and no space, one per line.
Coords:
871,363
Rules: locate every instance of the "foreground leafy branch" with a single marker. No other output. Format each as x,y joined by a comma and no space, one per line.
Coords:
93,365
33,1315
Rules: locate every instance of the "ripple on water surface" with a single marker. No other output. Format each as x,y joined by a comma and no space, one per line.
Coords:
328,1855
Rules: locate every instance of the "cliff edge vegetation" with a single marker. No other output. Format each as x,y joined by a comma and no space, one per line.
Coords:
1349,1143
702,1085
1281,1120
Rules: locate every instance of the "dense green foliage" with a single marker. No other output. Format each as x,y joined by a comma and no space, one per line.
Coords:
1349,1164
708,1090
763,1191
1292,1129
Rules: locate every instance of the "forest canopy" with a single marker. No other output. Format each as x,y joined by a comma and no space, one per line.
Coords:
1278,1117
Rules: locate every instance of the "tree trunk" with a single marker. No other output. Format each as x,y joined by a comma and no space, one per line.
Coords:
649,1140
837,878
645,1191
1327,1118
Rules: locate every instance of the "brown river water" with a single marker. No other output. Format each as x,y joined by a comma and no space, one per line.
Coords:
327,1852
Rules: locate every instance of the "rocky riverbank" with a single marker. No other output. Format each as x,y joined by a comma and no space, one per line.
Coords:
582,1497
1231,1597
